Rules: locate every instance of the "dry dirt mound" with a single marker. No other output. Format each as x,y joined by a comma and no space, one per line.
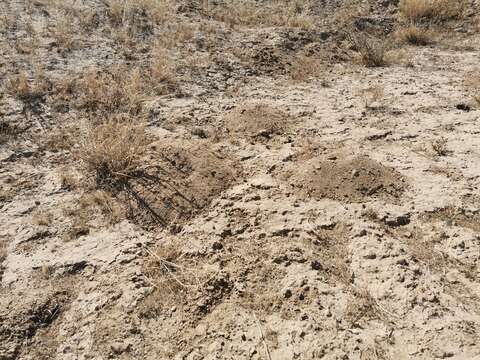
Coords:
182,179
352,179
257,121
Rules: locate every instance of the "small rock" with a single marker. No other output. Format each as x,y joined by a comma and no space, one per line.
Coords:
443,354
361,233
463,107
459,245
316,265
217,245
397,221
120,347
287,294
371,255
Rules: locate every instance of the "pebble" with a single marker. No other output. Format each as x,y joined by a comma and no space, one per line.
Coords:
316,265
120,347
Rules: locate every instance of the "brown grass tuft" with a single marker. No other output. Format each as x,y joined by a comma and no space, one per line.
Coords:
118,90
305,67
415,35
112,151
63,34
27,90
128,12
7,132
431,10
439,147
372,51
288,14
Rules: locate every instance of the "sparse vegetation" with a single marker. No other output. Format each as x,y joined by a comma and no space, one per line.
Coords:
415,35
118,90
373,95
431,10
472,84
372,51
42,218
64,34
7,132
225,171
439,147
305,67
112,150
248,13
25,89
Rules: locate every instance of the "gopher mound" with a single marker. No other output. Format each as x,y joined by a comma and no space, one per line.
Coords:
352,180
181,180
257,121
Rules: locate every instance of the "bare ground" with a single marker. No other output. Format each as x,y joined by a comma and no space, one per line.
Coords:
271,217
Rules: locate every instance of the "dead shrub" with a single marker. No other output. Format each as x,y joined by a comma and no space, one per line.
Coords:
372,51
431,10
415,35
174,275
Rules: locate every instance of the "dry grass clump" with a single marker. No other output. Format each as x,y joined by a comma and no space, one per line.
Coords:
174,275
372,51
123,11
7,132
123,90
439,147
362,306
161,74
25,89
175,35
286,13
372,95
304,67
112,150
68,179
64,34
431,10
117,90
415,35
42,218
134,20
103,201
472,83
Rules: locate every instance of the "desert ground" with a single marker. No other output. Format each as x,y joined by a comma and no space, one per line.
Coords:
250,179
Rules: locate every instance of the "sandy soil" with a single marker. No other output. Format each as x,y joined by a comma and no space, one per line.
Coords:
274,218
